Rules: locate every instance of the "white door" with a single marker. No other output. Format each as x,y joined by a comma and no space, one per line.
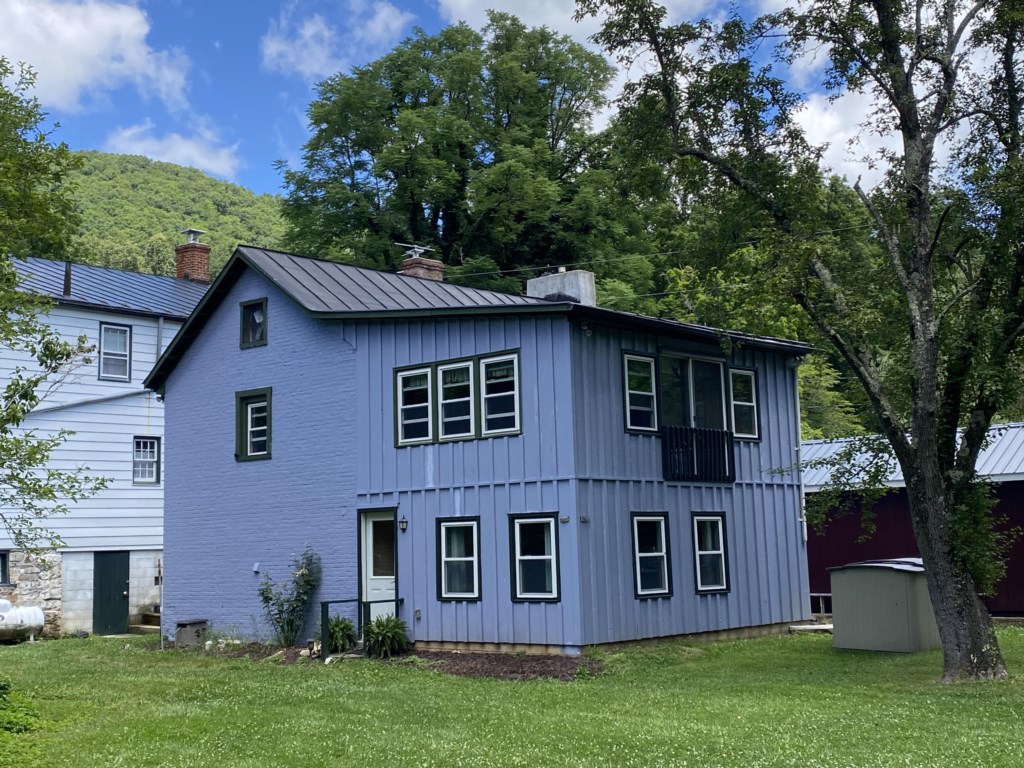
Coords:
378,566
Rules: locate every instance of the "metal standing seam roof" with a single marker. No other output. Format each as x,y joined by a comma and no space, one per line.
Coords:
111,289
331,289
1002,459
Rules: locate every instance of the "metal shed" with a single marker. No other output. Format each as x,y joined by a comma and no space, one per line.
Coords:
883,605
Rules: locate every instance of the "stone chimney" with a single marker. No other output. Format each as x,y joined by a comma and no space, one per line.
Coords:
416,266
576,286
192,258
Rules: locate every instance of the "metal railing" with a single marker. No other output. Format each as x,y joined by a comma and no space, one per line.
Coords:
362,617
697,454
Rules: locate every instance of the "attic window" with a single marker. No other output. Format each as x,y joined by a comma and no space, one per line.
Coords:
115,356
254,323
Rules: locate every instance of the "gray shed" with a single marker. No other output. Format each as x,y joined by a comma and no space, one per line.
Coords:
883,605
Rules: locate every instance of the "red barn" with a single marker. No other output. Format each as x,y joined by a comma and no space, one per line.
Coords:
1002,462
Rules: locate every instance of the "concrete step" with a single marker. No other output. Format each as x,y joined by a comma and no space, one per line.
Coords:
144,629
801,628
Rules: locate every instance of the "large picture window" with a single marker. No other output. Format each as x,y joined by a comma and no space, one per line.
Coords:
641,399
414,406
744,403
252,424
650,555
709,553
115,352
146,460
458,561
534,558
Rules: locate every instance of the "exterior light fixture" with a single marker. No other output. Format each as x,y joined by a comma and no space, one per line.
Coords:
403,524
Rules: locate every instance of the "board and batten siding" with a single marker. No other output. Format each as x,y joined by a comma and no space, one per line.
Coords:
229,523
621,473
105,416
492,477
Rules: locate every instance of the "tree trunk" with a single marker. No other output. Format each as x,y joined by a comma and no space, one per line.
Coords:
969,645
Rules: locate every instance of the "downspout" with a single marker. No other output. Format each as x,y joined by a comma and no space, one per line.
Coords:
797,361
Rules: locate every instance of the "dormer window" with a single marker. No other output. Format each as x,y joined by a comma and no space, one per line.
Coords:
254,323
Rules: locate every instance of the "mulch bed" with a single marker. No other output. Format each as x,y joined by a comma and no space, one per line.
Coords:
500,666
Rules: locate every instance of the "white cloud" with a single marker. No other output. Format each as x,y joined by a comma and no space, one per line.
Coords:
201,150
312,48
82,49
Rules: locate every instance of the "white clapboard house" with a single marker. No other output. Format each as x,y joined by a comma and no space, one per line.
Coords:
107,574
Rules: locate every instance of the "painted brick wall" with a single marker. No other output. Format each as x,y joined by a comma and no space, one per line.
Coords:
222,516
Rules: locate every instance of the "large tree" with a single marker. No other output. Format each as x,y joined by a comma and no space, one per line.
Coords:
36,218
476,144
929,323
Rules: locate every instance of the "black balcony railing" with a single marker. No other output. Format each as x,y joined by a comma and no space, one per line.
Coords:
697,455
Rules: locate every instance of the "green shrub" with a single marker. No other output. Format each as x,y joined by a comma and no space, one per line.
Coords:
341,635
385,636
16,714
285,605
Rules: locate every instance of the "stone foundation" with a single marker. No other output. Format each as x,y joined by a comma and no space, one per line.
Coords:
36,580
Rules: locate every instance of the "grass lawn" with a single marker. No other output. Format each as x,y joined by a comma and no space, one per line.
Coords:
782,701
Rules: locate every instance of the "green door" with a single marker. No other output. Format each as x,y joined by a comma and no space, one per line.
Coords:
110,593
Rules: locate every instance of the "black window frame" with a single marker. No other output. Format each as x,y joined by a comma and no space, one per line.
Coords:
627,356
752,373
243,307
723,530
243,399
440,525
478,363
552,519
666,539
158,461
5,567
100,353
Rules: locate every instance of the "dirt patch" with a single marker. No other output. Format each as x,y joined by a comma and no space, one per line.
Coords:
500,666
505,666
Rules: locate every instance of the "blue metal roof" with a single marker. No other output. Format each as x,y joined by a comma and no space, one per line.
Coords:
1002,459
111,289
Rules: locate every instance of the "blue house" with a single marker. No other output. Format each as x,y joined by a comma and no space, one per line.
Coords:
500,471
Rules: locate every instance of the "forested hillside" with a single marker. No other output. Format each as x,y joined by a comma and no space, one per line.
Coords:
132,210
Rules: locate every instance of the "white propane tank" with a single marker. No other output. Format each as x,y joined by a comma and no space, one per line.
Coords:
20,623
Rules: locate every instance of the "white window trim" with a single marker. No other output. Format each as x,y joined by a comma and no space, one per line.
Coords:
653,394
249,428
697,552
751,405
663,554
484,362
105,354
468,364
553,558
474,559
401,407
137,461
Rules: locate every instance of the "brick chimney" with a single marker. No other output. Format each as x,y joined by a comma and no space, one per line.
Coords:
416,266
192,258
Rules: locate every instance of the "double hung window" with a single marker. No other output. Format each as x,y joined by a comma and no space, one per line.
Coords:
458,559
641,398
253,424
457,400
535,558
709,553
414,407
115,352
743,385
146,460
650,554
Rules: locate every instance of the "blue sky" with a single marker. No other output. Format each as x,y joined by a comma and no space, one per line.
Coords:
223,85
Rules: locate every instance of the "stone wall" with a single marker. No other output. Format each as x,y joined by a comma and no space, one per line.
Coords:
36,581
